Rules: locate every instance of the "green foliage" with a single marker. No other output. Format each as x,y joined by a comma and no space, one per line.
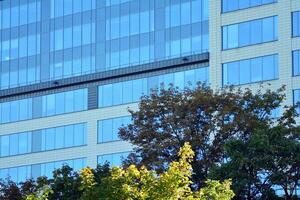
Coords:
269,158
42,194
133,183
140,184
184,141
227,129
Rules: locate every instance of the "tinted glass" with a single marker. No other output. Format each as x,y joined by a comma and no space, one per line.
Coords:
251,70
250,33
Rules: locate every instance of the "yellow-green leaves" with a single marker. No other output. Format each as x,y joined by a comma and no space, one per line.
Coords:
133,183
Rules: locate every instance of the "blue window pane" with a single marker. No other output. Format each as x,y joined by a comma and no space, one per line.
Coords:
268,26
124,25
23,143
60,103
13,144
134,23
137,89
68,37
117,123
256,69
185,8
250,32
77,6
4,112
106,130
244,4
5,18
14,16
232,5
268,68
78,134
69,136
296,24
233,70
58,8
68,7
78,164
23,14
232,36
296,62
22,173
58,39
251,70
50,139
128,92
244,34
32,12
69,99
196,15
14,109
59,137
5,50
86,34
79,102
256,32
76,35
22,47
144,22
4,145
87,5
245,71
107,95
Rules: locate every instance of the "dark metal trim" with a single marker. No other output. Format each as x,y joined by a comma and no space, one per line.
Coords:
101,76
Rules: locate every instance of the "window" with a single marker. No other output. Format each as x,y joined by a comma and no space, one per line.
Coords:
19,174
112,94
113,159
296,23
108,129
232,5
296,62
43,140
58,39
53,104
250,70
250,33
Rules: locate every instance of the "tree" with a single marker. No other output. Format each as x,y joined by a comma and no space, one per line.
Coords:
206,119
10,190
269,159
142,184
65,184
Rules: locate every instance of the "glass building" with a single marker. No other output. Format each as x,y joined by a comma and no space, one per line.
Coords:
69,69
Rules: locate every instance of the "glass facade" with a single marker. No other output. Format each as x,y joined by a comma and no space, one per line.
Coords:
296,23
44,40
251,70
22,173
114,159
296,62
250,32
43,106
232,5
43,140
131,91
108,128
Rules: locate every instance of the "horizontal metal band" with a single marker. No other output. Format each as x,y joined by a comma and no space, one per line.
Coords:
101,76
